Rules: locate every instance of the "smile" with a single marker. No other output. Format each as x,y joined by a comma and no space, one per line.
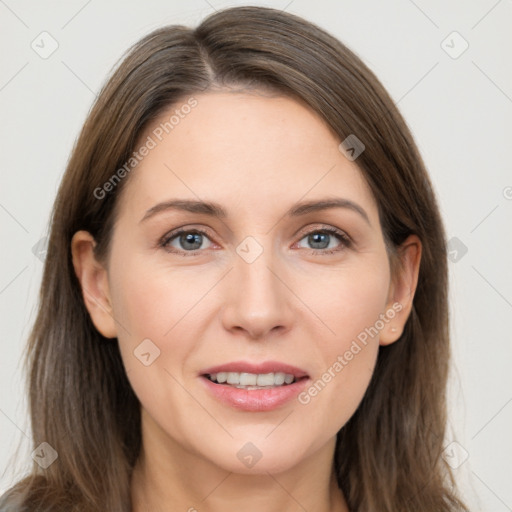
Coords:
251,381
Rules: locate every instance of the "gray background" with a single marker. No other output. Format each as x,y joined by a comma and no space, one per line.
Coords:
458,107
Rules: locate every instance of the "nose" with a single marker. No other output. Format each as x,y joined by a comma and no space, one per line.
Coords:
258,301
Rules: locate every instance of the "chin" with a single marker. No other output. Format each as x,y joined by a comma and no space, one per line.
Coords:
260,456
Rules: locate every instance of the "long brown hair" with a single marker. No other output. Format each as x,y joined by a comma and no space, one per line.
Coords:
388,455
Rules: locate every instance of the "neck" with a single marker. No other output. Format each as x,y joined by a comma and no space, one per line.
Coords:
168,477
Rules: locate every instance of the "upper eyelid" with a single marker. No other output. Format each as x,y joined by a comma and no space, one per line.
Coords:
321,227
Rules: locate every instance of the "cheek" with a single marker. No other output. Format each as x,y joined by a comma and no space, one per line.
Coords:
148,304
153,305
347,300
150,299
165,306
350,303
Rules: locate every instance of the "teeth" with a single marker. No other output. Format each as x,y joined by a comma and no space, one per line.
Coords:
233,378
253,380
248,379
279,378
265,379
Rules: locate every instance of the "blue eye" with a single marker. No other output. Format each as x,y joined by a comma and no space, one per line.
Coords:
321,240
190,242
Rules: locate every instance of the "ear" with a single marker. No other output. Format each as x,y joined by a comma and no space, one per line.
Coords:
402,289
93,279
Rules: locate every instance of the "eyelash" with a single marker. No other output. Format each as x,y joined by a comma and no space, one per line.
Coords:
345,240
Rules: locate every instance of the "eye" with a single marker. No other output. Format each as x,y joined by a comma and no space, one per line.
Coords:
189,242
327,240
185,241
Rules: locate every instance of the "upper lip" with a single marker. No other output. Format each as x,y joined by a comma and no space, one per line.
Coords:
257,368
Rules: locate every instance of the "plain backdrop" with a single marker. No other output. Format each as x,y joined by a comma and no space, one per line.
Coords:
448,66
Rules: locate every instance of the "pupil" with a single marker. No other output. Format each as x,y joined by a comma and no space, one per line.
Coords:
315,239
191,238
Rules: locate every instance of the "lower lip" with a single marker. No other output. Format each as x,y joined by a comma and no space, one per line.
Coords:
255,400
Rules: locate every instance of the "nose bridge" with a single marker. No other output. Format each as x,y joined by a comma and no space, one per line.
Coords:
258,300
252,266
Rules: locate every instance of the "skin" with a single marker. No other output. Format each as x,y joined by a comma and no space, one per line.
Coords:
256,155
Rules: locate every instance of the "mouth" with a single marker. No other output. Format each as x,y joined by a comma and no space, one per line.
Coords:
254,387
251,381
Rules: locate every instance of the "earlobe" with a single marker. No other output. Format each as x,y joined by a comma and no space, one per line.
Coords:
402,289
93,278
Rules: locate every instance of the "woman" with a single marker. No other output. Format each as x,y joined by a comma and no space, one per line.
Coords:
295,357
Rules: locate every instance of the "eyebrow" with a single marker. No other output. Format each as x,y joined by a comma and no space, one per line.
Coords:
216,210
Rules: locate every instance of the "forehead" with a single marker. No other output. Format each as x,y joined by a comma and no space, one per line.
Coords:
244,148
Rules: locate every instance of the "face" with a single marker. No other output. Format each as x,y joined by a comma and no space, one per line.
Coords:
282,289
